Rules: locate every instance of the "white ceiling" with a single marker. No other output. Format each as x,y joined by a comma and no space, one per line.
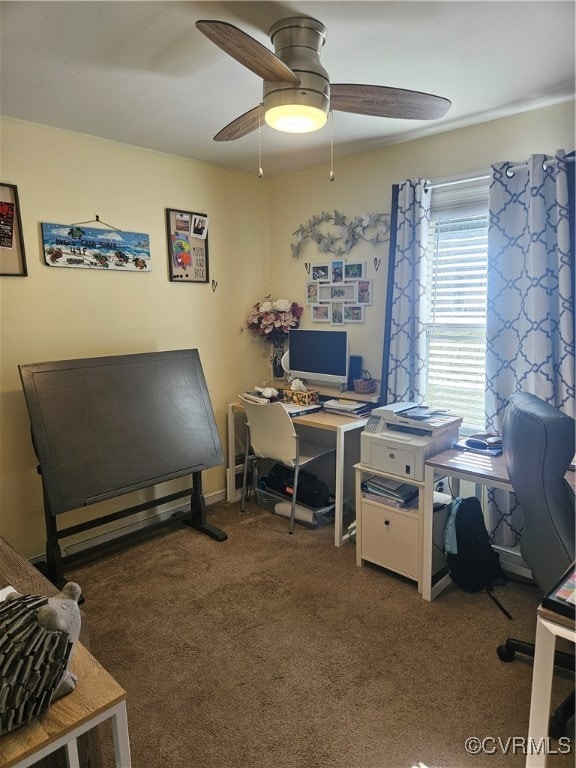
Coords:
141,73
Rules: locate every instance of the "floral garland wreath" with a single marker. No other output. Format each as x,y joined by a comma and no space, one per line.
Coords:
371,227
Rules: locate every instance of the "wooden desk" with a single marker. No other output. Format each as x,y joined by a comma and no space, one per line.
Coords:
346,432
97,696
459,465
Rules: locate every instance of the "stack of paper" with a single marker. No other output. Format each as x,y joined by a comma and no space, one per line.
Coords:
351,408
387,491
255,397
299,410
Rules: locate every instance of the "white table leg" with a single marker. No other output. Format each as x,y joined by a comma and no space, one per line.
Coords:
428,523
546,633
430,592
121,738
339,490
231,468
72,755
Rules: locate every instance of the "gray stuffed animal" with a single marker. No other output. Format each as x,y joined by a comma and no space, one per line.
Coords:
37,637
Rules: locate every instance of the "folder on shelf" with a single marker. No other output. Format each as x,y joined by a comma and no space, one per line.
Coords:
394,490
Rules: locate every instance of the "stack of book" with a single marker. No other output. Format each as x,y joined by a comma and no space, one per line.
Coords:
395,493
352,408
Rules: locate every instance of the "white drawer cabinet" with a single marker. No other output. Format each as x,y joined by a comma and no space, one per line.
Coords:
388,536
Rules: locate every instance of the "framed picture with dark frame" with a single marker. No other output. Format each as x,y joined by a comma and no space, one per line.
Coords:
187,239
12,255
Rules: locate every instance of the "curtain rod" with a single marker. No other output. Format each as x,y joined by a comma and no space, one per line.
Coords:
510,170
548,162
457,181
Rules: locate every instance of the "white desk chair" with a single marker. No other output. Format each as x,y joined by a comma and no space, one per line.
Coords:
271,434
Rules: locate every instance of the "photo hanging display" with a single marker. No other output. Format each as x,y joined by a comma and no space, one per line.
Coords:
187,235
338,292
79,246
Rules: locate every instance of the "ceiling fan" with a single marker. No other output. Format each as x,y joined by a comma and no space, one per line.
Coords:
297,90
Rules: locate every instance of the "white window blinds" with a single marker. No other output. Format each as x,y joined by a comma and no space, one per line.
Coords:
456,302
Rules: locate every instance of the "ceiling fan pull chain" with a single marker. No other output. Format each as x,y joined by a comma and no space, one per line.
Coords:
332,177
260,171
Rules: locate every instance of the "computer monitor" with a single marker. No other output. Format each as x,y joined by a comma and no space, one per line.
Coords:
318,356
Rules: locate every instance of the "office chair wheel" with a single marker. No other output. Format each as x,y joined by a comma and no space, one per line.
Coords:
558,722
556,729
505,653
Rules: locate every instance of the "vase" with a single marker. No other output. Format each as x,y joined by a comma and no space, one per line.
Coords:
276,358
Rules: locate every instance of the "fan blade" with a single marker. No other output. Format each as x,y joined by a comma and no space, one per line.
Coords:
243,125
247,51
381,101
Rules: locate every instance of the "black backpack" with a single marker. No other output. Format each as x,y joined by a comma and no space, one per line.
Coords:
474,565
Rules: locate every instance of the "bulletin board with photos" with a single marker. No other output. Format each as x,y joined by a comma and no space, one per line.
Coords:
187,236
338,292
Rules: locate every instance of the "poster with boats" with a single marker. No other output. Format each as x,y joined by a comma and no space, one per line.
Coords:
84,247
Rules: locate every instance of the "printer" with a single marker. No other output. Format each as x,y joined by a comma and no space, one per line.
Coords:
399,437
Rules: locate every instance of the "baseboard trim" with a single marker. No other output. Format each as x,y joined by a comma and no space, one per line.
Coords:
512,561
99,540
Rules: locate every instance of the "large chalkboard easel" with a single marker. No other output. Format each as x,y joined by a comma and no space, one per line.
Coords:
107,426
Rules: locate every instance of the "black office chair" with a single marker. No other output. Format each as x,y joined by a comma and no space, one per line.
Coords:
538,443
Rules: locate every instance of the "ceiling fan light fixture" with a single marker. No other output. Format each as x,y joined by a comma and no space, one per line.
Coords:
295,118
297,94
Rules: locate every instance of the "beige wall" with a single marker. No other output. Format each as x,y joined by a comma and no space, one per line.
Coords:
57,313
363,184
64,313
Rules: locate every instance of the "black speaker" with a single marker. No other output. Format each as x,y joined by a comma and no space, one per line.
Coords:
354,370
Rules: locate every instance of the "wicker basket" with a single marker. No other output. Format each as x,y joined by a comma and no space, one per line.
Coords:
364,386
301,398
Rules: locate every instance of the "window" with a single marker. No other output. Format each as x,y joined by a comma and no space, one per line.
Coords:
456,301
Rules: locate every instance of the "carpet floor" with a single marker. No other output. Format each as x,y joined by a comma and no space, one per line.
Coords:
277,651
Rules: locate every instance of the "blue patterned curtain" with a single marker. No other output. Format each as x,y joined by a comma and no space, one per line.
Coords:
404,359
530,310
